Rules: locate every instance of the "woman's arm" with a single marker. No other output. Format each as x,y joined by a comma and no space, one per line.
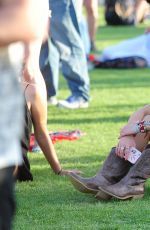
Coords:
37,95
132,126
38,98
127,138
139,114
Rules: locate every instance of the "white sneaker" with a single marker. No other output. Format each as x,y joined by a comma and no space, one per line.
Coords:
73,102
52,100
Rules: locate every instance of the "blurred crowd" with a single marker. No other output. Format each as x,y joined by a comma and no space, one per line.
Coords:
72,39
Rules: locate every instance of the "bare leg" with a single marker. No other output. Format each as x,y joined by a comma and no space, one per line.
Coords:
141,9
92,15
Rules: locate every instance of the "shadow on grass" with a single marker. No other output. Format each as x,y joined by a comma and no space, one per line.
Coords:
91,110
35,161
91,115
116,119
117,78
105,32
120,78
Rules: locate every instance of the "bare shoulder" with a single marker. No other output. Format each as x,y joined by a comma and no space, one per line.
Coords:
30,91
34,92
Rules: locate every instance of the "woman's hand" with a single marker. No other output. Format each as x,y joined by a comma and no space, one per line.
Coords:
67,172
124,145
129,129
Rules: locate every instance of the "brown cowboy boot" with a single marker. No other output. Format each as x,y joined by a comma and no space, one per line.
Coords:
114,168
132,185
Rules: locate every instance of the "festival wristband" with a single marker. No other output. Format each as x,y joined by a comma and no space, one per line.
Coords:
141,127
147,123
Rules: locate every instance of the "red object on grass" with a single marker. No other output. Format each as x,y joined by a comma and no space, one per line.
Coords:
91,57
59,136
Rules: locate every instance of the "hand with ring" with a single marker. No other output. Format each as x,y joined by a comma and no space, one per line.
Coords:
125,143
120,150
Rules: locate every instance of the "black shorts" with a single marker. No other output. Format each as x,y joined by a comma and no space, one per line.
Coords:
7,201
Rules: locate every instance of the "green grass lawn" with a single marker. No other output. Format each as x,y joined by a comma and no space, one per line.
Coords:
50,202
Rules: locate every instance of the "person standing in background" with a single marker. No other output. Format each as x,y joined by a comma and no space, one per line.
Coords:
65,46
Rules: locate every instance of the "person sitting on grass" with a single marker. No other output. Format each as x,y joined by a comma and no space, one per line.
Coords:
130,53
35,96
118,177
